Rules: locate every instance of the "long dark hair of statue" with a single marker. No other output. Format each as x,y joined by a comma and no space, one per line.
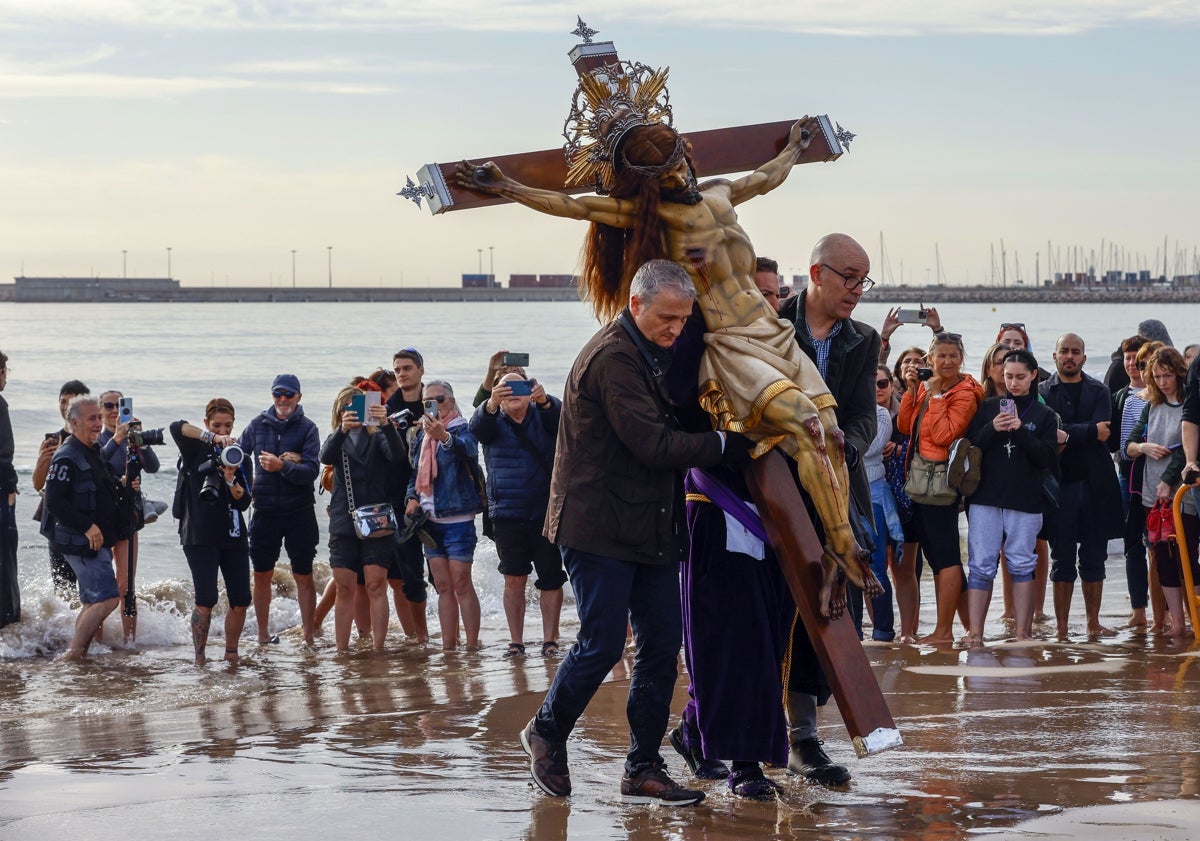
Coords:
612,255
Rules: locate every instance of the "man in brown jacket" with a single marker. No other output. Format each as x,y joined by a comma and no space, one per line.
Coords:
615,511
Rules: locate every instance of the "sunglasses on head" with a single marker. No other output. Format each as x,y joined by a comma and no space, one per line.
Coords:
283,392
882,383
948,337
1016,325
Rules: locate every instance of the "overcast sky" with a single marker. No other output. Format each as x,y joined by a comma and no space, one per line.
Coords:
233,131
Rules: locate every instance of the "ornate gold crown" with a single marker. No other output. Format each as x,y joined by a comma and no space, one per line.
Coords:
609,102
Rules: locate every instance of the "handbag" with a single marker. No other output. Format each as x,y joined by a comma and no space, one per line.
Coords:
370,521
928,481
1160,522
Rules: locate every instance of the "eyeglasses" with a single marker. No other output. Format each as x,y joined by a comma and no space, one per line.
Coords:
956,338
882,383
441,398
852,283
283,392
110,406
1016,325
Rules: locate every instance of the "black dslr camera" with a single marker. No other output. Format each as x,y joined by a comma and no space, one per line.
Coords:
231,456
139,437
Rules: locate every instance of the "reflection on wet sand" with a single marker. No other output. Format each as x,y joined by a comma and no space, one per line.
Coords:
423,742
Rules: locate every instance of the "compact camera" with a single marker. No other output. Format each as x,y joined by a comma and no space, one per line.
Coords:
402,420
924,374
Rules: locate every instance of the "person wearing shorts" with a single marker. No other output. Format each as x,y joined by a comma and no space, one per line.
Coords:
518,433
445,459
212,499
81,519
281,446
362,452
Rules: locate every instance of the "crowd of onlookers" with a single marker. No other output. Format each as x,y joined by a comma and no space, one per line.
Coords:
1027,453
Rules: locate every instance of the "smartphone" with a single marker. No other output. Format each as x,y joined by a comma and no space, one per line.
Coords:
515,360
358,405
431,408
911,316
1008,406
52,436
370,398
124,410
520,388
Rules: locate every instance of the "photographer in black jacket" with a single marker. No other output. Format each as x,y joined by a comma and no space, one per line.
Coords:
209,501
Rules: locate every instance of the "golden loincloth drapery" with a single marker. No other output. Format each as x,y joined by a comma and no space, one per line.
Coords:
745,367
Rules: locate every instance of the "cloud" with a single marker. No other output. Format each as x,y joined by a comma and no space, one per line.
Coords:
841,17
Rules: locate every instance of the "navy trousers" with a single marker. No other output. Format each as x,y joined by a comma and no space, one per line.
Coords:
608,592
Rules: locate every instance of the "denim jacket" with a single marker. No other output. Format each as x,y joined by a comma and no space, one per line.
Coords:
454,491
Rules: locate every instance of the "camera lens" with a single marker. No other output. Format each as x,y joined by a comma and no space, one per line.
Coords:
232,455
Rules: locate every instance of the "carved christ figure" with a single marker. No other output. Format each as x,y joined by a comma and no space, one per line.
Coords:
754,377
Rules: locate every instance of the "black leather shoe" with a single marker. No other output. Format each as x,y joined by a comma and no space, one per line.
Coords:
547,762
705,769
807,759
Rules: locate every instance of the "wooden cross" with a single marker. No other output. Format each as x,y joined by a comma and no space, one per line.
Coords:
714,152
771,481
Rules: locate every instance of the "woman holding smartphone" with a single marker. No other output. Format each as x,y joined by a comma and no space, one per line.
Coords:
212,529
939,402
445,458
1018,436
362,452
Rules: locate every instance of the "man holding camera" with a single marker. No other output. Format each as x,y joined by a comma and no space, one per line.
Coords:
616,506
283,445
517,427
81,519
408,562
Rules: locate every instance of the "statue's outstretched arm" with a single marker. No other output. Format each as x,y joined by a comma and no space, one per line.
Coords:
775,171
487,178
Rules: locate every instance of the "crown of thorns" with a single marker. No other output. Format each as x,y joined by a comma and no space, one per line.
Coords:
608,103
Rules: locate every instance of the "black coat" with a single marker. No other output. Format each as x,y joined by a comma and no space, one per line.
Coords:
1086,458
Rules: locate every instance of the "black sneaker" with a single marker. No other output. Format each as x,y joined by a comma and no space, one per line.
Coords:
705,769
547,762
652,785
807,759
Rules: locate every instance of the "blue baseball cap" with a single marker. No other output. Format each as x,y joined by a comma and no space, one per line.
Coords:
287,381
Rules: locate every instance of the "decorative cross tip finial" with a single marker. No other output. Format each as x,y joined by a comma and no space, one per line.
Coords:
844,137
416,191
584,31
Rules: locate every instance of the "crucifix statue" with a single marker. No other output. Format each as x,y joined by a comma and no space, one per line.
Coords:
754,378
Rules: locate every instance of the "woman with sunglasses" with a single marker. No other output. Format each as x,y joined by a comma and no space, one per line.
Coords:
445,459
212,528
895,458
888,531
944,403
114,446
1157,437
362,451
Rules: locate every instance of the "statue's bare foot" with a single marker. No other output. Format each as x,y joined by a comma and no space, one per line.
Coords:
871,586
837,601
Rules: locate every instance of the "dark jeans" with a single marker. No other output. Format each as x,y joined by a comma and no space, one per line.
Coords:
1136,572
607,593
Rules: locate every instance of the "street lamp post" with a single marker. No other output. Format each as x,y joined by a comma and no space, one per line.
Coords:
491,265
330,247
168,262
293,268
124,263
480,250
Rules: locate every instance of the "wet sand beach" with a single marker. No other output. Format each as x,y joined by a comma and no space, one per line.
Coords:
1009,740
